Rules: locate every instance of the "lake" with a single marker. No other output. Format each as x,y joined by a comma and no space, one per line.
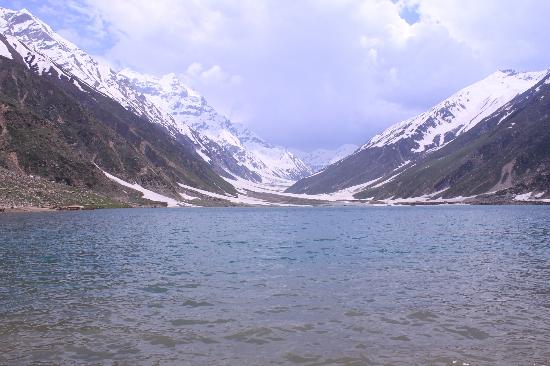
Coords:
445,285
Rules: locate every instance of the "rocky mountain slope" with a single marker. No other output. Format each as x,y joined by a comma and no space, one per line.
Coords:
504,157
409,141
54,126
231,150
21,190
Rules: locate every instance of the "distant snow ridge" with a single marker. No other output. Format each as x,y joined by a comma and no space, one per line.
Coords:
320,158
438,126
165,101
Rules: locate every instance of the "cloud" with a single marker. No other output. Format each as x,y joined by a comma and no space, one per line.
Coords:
218,84
504,33
317,73
212,76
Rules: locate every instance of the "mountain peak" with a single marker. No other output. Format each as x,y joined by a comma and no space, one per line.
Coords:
509,72
460,112
524,75
320,158
26,11
18,21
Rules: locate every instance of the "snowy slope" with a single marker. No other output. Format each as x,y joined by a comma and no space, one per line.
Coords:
39,38
34,60
460,112
269,162
320,158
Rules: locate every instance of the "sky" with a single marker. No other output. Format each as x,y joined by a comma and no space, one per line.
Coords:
310,74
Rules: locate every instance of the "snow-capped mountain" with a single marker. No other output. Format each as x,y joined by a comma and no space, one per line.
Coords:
460,112
40,38
504,157
320,158
406,142
54,127
35,61
256,159
232,149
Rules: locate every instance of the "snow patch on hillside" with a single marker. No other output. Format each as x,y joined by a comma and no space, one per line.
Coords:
4,51
240,199
531,197
278,188
147,194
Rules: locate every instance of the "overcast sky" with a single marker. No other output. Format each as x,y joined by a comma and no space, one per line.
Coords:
309,74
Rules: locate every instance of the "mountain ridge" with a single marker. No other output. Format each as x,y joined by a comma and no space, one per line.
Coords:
506,156
162,140
54,127
405,142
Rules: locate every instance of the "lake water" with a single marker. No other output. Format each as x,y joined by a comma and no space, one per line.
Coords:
277,286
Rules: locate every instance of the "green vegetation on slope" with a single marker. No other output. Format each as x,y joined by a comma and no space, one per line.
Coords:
50,128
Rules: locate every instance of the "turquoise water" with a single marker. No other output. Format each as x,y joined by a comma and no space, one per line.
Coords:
252,286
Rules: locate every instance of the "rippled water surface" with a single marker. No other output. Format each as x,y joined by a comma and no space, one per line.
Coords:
310,286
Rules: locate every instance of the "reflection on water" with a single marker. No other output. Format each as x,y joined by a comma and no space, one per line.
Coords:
319,286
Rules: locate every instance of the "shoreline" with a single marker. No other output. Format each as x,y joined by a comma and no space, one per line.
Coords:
34,209
26,209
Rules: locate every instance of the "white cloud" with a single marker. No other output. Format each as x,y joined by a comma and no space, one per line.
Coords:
320,72
505,33
194,70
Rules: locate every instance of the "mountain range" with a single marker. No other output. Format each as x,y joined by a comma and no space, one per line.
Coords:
488,139
231,149
72,129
